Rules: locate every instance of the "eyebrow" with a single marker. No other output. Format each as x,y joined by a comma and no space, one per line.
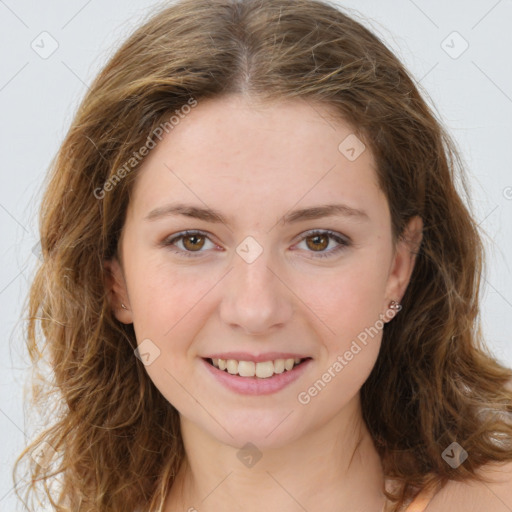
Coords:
214,216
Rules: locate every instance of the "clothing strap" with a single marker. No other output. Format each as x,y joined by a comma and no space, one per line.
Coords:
421,501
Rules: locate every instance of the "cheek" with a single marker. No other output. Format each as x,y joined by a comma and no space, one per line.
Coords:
170,313
164,297
172,308
348,300
348,309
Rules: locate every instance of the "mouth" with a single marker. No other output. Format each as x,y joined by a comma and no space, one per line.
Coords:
256,370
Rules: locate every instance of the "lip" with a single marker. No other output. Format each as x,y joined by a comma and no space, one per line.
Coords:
255,385
256,358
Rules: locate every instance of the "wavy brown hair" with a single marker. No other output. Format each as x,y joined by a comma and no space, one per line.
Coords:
117,438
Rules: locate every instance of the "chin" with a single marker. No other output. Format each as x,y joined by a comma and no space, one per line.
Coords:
265,430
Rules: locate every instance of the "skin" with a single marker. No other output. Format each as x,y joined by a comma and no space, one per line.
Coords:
471,495
255,163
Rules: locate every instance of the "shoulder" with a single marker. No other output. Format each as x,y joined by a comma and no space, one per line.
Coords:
475,496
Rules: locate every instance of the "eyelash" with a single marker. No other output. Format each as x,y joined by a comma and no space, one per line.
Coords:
343,243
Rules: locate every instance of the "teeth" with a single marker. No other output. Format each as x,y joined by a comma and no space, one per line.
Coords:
279,366
246,368
232,366
262,370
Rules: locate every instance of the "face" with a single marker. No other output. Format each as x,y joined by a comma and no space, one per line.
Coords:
267,275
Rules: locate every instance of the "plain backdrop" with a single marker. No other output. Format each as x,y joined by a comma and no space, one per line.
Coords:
458,52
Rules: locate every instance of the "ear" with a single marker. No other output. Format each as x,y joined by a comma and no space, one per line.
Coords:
116,290
407,248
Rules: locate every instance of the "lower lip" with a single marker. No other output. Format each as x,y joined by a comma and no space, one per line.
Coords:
256,385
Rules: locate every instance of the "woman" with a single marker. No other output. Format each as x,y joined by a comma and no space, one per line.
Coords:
260,284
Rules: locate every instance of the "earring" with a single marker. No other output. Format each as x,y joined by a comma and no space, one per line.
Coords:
123,306
395,305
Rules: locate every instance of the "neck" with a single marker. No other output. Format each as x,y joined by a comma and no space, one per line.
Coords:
334,468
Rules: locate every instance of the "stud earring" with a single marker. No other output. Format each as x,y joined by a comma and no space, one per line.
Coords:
123,306
395,305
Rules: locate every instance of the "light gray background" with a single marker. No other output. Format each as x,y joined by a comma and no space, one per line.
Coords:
38,97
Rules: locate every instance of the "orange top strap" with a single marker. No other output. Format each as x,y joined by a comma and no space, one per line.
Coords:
419,504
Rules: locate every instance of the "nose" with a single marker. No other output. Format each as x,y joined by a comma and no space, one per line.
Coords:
256,299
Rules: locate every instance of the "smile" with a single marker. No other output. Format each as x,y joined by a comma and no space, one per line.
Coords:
256,378
261,370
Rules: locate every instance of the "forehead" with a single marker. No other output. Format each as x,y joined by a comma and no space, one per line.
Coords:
234,155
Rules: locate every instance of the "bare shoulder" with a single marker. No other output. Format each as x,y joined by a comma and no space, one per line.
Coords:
474,496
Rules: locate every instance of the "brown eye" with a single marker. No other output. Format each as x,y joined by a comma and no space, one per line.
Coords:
319,241
193,242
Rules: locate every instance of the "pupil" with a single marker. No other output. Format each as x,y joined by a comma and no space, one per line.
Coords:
316,243
192,239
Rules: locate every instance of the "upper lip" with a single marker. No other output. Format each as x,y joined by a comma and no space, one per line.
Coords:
257,358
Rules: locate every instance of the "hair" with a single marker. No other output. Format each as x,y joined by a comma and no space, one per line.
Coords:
435,382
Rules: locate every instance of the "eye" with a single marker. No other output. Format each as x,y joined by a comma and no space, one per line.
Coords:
319,240
192,241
